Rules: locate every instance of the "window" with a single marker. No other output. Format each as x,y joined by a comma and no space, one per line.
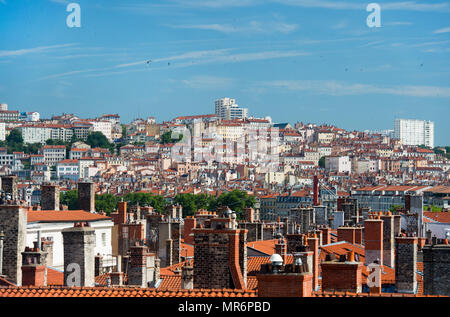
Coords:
104,239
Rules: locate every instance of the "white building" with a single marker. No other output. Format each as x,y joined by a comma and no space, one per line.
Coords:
414,132
340,164
2,131
41,133
227,109
67,169
53,154
51,223
104,127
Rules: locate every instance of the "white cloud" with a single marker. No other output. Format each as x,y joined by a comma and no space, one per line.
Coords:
33,50
335,88
443,30
208,82
251,27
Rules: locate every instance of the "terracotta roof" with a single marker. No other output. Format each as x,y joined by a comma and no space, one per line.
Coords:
54,277
443,217
63,216
264,246
119,292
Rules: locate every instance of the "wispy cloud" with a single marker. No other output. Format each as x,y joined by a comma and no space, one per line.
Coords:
188,59
60,1
251,27
322,4
219,56
38,49
208,82
335,88
397,23
443,30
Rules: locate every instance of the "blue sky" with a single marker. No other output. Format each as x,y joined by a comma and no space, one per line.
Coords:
294,60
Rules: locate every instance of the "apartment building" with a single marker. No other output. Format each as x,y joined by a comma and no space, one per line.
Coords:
414,132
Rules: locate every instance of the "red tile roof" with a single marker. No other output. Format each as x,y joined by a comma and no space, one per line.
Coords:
119,292
63,216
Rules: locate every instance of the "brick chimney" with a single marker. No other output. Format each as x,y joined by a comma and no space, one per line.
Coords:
221,243
79,259
436,268
373,240
295,243
13,223
388,239
406,264
249,214
86,196
117,276
359,235
47,246
313,245
121,216
34,270
346,234
187,276
397,225
137,273
293,280
326,235
189,224
344,274
281,249
2,237
49,197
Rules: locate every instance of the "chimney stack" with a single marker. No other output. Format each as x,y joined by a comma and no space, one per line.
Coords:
220,254
79,263
313,246
293,280
189,224
249,214
34,269
406,264
117,276
281,249
388,239
187,276
86,196
13,223
2,237
9,187
347,234
344,274
49,197
326,235
373,241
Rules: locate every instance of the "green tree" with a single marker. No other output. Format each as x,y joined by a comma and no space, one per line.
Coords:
14,141
156,201
98,139
106,203
166,138
322,162
70,199
236,200
394,208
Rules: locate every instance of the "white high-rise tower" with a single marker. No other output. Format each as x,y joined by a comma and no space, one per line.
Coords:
414,132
